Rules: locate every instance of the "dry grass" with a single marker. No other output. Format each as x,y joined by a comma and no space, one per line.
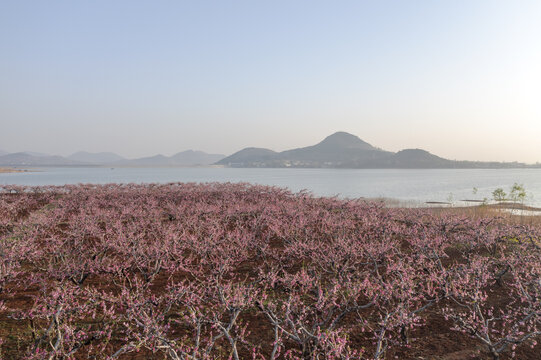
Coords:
499,211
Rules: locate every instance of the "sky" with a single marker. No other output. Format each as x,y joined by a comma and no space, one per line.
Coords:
461,79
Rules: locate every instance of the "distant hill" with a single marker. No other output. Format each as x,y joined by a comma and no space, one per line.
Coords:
342,140
191,157
418,158
184,158
344,150
82,158
25,159
340,149
95,158
38,154
156,160
250,156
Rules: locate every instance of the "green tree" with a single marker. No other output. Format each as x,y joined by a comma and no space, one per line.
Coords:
499,195
518,193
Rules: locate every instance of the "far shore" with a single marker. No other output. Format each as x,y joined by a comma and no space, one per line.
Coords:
4,170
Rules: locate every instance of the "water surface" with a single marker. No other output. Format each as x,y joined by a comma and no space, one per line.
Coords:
415,186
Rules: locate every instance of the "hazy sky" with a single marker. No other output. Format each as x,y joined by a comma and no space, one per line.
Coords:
461,79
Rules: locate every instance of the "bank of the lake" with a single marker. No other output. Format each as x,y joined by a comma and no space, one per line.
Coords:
6,170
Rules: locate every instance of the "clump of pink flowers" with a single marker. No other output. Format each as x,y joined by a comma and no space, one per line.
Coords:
237,271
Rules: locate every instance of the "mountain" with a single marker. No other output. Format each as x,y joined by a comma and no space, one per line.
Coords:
25,159
95,158
343,140
184,158
340,149
191,158
2,152
249,155
156,160
344,150
38,154
418,158
82,158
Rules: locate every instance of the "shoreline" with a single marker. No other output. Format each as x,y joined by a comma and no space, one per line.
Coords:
7,170
429,202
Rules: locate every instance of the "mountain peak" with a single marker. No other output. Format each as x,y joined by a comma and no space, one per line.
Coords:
413,151
342,139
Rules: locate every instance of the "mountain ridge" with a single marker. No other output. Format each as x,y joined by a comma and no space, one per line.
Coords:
95,158
345,150
26,159
338,150
183,158
82,158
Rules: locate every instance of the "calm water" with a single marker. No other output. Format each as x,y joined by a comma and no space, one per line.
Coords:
407,185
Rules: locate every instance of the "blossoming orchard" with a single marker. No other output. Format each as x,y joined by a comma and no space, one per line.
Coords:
236,271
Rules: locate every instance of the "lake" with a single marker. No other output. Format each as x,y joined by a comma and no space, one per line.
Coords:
410,186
